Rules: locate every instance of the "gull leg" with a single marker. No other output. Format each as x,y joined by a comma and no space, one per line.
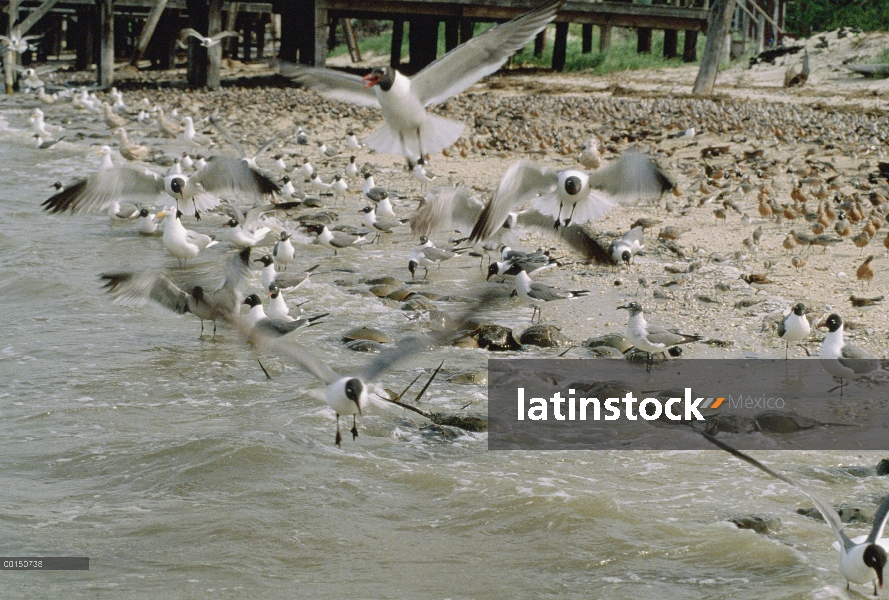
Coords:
354,429
410,163
200,337
339,438
214,327
420,146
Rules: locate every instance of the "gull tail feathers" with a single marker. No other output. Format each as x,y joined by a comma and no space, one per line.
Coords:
437,133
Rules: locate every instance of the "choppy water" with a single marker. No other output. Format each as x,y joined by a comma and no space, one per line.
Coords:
182,472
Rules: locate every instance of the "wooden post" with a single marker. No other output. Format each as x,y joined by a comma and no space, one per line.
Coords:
85,40
259,30
422,37
291,32
320,23
690,46
586,34
148,28
9,58
643,40
351,41
452,34
718,28
198,19
560,46
106,51
214,54
397,40
540,43
604,37
671,43
246,27
230,45
467,28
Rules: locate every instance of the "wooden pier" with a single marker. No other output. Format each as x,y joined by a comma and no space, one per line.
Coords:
101,31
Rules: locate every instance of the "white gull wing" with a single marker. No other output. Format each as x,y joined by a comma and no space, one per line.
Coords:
138,289
446,208
826,510
482,55
99,190
522,181
331,84
880,518
631,177
228,174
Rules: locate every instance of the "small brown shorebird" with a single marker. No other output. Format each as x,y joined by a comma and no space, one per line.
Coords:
865,272
859,302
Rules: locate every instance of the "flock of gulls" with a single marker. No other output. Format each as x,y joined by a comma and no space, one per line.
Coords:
826,208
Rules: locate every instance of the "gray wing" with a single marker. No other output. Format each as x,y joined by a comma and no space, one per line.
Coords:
659,335
522,181
437,254
541,291
100,189
480,56
581,238
879,522
631,177
858,360
228,136
226,174
237,270
826,510
137,289
446,208
633,235
782,326
331,84
224,34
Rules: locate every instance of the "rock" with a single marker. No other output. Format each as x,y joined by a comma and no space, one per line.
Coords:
367,333
545,336
383,290
417,304
848,514
610,340
364,346
440,431
440,320
467,422
496,338
759,524
858,471
400,294
729,424
773,421
470,378
382,281
883,467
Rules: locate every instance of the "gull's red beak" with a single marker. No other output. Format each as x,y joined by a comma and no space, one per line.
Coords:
370,80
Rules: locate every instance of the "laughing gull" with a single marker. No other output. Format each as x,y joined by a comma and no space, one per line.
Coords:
652,339
515,261
181,242
540,293
570,196
352,168
349,394
409,130
278,308
379,224
336,240
147,222
285,282
192,194
242,236
206,42
794,327
258,324
283,250
306,169
862,559
624,249
352,142
224,302
339,187
843,360
427,256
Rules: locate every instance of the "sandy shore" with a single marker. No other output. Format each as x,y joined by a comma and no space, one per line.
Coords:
825,138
